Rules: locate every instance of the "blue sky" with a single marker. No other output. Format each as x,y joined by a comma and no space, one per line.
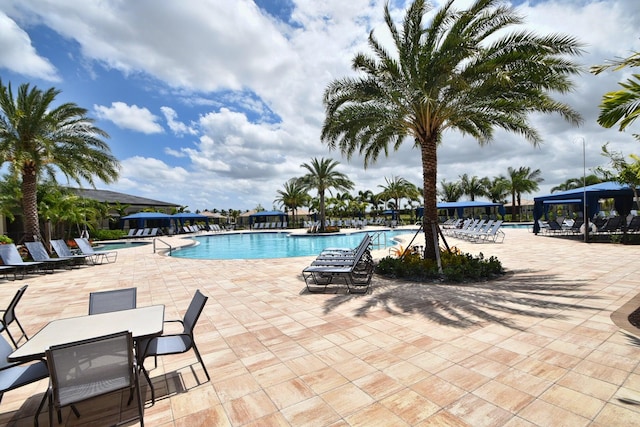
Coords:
216,104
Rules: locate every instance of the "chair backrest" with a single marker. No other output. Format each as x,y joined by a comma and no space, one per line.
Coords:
84,245
61,248
193,312
37,250
112,300
107,365
9,254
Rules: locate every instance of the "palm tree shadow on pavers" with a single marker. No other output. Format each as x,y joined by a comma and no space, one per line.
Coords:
465,305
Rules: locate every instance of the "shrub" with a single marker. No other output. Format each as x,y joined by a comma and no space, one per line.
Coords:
456,266
108,234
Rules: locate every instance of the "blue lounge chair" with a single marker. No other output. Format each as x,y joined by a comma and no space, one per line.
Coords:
11,257
86,248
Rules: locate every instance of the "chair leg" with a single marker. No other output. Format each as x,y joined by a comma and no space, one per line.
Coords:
44,398
153,392
195,350
139,396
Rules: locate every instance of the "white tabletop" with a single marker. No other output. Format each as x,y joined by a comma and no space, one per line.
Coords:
141,322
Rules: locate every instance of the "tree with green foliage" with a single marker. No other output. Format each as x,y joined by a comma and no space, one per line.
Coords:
39,138
462,71
621,170
397,188
573,183
497,189
450,191
292,196
473,187
322,176
621,106
522,181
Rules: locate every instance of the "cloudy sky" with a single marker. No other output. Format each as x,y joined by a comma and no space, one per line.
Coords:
217,103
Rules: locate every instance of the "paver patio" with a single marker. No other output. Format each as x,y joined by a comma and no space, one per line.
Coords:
535,348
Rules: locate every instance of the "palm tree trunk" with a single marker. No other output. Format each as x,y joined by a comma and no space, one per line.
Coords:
322,213
429,178
30,203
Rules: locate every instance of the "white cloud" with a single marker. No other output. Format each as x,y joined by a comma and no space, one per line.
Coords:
129,117
264,68
178,128
19,55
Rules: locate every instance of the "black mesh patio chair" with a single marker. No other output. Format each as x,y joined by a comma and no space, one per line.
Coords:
85,369
112,300
174,343
9,317
14,375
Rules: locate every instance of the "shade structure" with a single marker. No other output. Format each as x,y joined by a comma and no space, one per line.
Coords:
622,195
147,215
143,217
266,214
459,207
181,217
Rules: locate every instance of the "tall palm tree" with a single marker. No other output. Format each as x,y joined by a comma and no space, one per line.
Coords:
37,138
292,196
322,176
621,106
397,188
522,181
459,72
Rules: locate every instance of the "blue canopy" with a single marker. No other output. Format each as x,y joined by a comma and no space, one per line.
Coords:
265,214
460,206
147,215
621,193
143,217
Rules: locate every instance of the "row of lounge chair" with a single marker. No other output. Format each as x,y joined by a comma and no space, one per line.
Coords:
477,231
12,261
270,225
615,224
353,267
143,232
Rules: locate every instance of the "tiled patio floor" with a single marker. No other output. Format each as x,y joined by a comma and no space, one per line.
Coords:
536,348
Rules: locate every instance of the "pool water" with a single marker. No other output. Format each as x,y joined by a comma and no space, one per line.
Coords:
274,245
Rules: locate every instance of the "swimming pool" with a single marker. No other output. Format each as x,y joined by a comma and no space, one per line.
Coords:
274,245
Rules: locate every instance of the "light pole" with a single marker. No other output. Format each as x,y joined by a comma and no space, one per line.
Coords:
584,191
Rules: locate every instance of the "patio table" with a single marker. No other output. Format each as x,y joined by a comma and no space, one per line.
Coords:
143,322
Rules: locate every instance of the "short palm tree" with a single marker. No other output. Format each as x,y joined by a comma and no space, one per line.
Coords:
398,188
450,191
498,189
473,187
292,196
522,181
459,72
37,138
322,176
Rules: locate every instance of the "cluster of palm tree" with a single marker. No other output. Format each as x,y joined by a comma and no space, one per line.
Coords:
518,181
322,177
